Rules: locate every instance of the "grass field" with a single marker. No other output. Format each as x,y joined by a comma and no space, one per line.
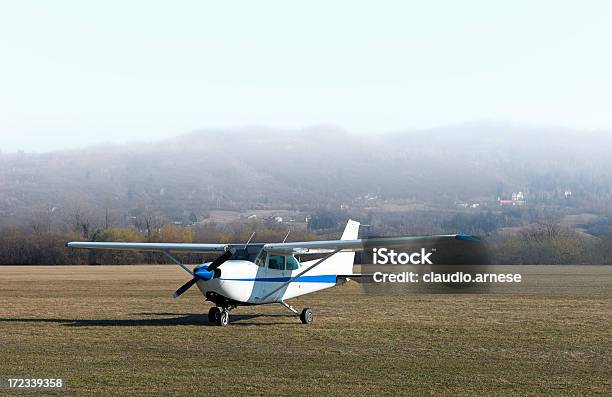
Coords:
115,330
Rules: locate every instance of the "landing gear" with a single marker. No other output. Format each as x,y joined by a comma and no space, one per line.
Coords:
218,316
214,314
224,318
306,316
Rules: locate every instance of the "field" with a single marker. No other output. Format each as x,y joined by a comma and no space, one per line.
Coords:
115,330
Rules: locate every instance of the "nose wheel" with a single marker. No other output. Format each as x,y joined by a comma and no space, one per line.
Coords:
218,316
224,318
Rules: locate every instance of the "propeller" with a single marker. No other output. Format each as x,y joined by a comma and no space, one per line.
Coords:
204,273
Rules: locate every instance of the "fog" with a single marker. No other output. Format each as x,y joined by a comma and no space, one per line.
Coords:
316,167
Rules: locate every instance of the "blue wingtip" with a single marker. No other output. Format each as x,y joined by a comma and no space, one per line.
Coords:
463,236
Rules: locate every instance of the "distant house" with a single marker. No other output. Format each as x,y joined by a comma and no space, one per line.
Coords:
518,198
460,204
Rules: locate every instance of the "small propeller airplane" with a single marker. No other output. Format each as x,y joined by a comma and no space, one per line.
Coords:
255,274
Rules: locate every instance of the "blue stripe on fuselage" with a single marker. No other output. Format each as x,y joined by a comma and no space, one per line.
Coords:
323,278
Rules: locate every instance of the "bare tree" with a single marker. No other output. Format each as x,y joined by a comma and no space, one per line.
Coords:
541,231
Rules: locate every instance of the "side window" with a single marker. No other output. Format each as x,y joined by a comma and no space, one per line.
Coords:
276,262
261,259
292,263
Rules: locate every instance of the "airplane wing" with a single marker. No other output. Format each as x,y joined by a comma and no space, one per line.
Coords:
166,247
319,247
306,247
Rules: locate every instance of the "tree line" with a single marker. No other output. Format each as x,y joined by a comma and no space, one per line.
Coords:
544,242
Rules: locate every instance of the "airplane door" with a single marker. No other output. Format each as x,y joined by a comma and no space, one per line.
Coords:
273,271
260,285
276,275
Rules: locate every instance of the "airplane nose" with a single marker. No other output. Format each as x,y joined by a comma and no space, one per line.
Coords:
205,272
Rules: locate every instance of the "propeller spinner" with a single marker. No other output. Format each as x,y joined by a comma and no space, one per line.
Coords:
204,273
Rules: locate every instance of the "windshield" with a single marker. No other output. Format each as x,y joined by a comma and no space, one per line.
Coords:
248,253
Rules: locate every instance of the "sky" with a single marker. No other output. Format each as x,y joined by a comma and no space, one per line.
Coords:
75,73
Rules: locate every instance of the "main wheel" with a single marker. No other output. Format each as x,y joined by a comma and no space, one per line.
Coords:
213,315
223,318
306,316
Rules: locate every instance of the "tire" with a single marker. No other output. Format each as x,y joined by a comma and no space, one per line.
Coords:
306,316
213,315
223,318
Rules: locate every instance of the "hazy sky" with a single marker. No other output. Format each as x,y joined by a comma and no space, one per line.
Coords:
75,72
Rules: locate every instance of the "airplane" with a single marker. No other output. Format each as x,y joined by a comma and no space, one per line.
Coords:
255,274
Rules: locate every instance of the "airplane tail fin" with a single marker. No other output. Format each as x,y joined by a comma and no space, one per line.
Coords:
351,231
343,261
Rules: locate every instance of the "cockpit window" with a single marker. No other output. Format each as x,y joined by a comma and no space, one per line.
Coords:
276,262
292,263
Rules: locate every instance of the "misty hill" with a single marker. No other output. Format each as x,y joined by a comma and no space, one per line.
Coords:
323,166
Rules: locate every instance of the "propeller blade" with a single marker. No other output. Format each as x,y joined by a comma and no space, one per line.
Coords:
205,273
184,287
219,261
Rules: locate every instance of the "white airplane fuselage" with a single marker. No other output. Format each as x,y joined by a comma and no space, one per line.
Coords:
245,282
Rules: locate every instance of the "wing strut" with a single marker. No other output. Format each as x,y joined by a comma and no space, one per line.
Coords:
292,279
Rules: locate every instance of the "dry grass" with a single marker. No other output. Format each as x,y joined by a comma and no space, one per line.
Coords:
115,330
